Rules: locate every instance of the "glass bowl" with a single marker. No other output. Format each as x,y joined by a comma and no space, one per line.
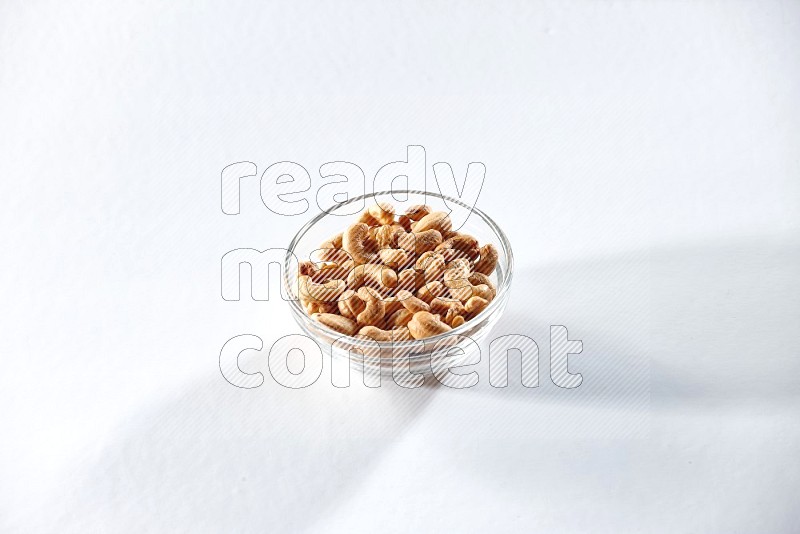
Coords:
381,357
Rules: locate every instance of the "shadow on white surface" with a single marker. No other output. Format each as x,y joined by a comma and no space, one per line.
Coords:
216,458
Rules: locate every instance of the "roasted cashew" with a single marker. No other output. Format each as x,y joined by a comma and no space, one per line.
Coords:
477,279
457,321
386,236
475,305
383,212
412,303
321,307
396,258
337,322
488,261
410,280
331,250
431,290
397,334
419,242
327,292
417,212
350,304
460,246
378,276
444,305
326,271
456,279
432,265
454,317
399,318
437,220
374,309
355,241
425,324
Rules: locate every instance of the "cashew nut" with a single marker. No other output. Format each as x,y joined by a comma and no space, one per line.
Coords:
432,264
374,309
337,322
412,303
410,280
399,318
457,321
488,261
456,279
444,305
350,304
374,274
327,292
355,241
419,242
386,235
383,212
397,334
417,212
437,220
460,246
431,290
475,305
394,257
425,324
477,279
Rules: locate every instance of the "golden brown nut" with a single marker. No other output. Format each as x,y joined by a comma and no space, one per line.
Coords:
382,212
374,309
432,265
454,317
412,303
394,257
437,220
444,305
397,334
417,212
410,280
430,290
386,235
488,261
477,279
457,321
355,241
350,304
425,324
399,318
460,246
456,279
337,322
475,305
419,242
377,276
327,292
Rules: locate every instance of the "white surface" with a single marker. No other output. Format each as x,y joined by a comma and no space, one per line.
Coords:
641,156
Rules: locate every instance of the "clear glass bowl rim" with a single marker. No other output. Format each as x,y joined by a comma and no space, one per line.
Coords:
498,301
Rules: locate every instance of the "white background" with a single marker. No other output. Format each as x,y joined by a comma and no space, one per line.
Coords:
642,157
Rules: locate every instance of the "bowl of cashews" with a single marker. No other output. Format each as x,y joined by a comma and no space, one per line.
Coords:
386,278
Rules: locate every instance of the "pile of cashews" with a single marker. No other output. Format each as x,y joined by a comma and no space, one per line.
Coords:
398,278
